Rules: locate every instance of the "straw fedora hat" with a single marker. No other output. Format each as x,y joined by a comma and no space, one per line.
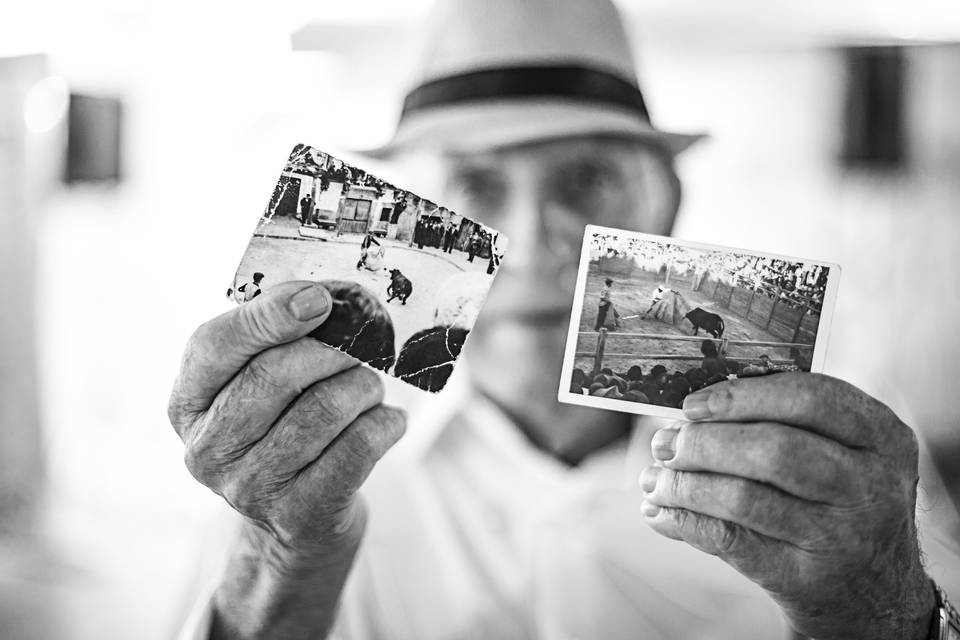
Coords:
499,73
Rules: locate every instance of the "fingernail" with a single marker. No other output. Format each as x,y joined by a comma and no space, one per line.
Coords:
648,479
663,444
649,509
310,303
695,406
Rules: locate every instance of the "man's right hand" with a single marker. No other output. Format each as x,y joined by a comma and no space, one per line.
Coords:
286,429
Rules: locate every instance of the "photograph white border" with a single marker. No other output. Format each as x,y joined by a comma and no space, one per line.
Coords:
569,357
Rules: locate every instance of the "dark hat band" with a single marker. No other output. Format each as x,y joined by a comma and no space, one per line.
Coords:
573,82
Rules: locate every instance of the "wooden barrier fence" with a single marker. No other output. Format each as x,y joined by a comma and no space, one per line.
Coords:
777,310
600,351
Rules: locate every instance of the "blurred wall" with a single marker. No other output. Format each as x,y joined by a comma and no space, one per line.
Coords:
21,462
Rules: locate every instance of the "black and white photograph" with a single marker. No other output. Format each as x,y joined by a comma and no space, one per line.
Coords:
657,318
407,276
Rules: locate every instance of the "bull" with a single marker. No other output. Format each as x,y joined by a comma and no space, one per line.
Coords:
400,287
709,322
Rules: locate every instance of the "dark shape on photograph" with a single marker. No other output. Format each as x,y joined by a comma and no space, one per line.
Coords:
578,381
358,325
713,363
709,322
801,358
400,287
671,399
426,359
651,391
634,373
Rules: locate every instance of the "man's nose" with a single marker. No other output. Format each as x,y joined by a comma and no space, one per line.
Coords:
538,236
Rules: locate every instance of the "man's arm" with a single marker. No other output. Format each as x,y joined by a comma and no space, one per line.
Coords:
268,591
286,430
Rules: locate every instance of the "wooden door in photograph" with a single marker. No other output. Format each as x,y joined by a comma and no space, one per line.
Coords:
354,215
286,197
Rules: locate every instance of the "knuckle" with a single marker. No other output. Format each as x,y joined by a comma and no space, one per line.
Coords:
675,483
910,445
785,449
197,464
241,493
726,536
334,405
371,383
721,401
399,423
689,442
261,375
363,444
743,503
180,413
393,423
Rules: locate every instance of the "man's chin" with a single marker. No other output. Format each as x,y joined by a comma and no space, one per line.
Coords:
523,351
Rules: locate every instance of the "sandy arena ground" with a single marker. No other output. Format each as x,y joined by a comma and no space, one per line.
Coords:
632,296
283,259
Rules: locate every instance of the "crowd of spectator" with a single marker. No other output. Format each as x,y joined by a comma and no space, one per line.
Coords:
796,283
660,387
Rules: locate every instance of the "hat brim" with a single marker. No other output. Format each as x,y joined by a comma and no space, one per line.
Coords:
485,126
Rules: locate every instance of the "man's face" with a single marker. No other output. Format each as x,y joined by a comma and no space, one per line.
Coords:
541,196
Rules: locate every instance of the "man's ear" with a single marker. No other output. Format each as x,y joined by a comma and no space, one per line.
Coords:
659,188
675,196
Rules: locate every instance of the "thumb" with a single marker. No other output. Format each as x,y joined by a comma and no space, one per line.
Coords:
221,347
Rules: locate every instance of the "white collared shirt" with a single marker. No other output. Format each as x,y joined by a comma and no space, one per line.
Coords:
476,533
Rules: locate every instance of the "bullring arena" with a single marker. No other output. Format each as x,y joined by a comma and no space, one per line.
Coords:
760,318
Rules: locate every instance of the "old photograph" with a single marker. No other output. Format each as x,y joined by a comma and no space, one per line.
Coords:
408,276
657,318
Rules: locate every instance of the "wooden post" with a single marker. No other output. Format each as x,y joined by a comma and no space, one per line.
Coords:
598,355
713,296
773,307
796,331
730,297
753,293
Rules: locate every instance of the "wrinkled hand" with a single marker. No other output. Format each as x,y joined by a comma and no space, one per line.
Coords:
283,427
807,486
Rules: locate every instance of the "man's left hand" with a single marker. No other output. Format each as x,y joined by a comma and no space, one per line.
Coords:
807,486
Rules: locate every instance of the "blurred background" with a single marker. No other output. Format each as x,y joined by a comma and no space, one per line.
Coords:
140,141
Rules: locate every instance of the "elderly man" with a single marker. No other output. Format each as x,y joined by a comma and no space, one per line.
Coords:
515,516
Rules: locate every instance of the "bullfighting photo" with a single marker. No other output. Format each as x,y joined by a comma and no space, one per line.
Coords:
407,275
655,319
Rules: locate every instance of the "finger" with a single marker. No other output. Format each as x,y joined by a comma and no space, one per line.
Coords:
755,506
311,423
747,551
219,348
350,458
827,406
795,461
254,398
218,455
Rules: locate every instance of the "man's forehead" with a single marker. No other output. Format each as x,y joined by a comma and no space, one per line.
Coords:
554,150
